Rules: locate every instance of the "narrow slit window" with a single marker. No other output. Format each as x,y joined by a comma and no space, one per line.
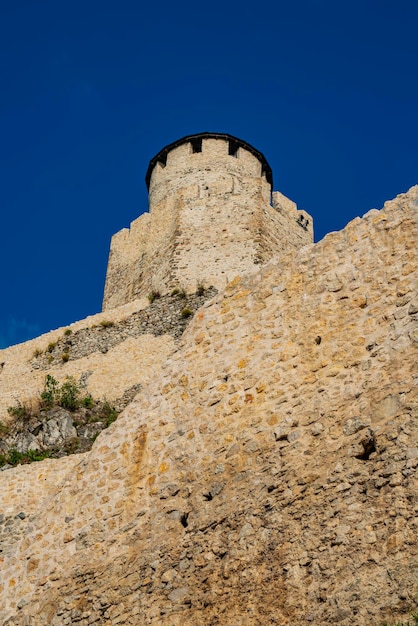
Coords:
163,159
233,149
196,145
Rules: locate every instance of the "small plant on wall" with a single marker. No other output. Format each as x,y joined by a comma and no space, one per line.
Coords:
106,324
70,395
200,289
19,410
154,295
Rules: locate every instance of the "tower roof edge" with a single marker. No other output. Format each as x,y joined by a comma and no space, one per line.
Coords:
162,154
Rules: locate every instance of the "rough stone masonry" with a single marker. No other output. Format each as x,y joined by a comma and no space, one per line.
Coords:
266,471
212,215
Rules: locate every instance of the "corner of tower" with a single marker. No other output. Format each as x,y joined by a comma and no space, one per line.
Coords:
300,218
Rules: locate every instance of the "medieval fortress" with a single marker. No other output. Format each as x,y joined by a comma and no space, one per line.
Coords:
264,469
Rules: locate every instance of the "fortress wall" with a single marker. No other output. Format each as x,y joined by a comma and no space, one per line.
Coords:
22,488
136,257
109,374
251,164
268,471
216,231
288,208
210,219
280,228
176,159
21,491
140,262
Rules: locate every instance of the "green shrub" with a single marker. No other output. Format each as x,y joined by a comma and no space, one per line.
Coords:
65,356
200,290
50,392
51,346
106,323
87,402
14,457
69,394
37,455
108,412
67,332
186,312
154,295
19,410
175,291
66,395
72,445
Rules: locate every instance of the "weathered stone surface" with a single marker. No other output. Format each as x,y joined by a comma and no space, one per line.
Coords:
125,346
211,216
162,317
58,428
57,432
260,476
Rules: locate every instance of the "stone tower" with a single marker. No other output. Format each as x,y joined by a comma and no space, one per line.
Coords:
212,215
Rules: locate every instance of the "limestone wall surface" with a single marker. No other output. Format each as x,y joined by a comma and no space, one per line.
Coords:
210,219
108,353
108,371
266,474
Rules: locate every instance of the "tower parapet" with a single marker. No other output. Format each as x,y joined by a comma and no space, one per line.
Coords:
210,218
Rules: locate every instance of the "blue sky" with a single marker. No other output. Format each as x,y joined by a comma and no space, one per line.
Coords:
91,90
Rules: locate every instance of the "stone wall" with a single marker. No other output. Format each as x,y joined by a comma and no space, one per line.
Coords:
107,372
110,353
210,219
267,472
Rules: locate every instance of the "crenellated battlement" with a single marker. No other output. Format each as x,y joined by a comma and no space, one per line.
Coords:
177,156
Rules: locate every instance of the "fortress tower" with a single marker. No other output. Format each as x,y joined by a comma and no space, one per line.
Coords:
212,215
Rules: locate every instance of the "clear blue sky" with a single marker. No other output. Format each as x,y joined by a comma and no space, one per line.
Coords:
90,91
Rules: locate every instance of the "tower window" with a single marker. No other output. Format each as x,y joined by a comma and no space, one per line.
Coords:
163,159
233,148
303,221
196,145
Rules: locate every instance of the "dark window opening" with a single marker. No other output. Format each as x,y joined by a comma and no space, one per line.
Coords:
196,145
302,221
233,148
162,159
368,444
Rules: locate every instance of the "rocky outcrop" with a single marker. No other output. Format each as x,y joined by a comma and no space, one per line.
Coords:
267,473
57,432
